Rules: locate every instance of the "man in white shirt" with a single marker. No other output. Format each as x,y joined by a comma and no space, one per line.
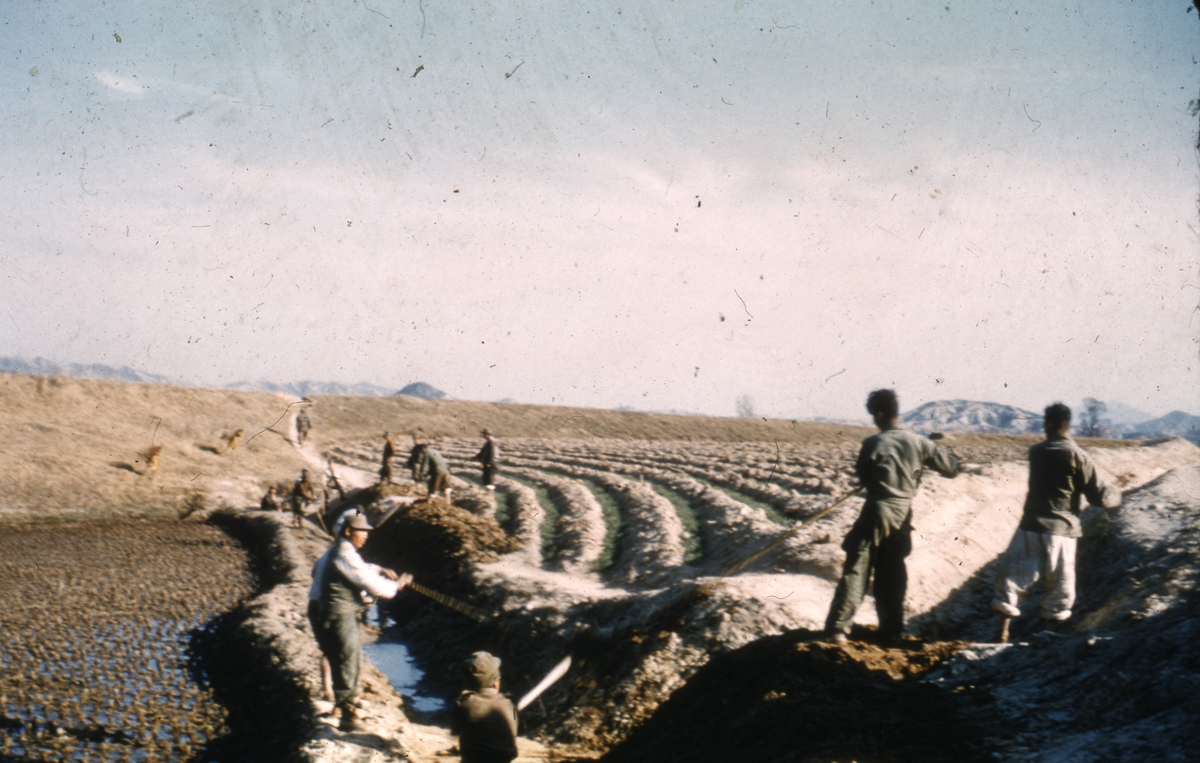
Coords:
348,585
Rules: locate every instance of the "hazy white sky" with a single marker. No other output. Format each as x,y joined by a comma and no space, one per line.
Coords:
664,207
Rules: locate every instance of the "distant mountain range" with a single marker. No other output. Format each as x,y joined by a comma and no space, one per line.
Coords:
1120,421
43,367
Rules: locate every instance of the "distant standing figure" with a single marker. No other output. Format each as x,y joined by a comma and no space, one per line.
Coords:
303,425
270,501
489,458
484,720
1044,545
890,465
389,451
304,492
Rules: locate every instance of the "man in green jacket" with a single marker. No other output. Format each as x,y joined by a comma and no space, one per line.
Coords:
1043,548
890,465
483,719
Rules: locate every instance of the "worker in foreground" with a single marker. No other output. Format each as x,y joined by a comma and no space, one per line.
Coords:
348,586
484,720
890,465
1043,547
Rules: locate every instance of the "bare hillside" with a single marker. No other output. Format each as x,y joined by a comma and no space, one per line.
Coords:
75,446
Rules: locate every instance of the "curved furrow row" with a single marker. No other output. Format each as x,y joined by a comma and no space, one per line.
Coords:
730,530
580,529
525,518
650,548
777,499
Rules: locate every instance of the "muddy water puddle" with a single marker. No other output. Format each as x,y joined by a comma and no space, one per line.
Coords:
393,659
96,658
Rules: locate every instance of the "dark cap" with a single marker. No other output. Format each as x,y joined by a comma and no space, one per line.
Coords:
481,670
486,433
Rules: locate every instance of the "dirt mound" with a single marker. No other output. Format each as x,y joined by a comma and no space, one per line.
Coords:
437,542
782,699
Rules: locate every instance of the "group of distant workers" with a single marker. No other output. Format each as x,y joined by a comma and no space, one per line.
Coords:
889,467
428,465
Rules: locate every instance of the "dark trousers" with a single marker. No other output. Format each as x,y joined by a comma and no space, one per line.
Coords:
885,562
339,641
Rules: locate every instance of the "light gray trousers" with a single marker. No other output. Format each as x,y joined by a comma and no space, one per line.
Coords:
1034,556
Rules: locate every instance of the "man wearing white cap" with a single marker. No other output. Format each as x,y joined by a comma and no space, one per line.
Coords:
348,586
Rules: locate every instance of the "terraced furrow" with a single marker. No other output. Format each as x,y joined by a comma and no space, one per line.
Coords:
580,529
525,518
784,501
730,530
650,549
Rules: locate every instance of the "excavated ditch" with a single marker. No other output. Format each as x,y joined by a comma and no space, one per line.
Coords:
679,671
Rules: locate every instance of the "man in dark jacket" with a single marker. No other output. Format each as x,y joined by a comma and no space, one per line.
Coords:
389,451
489,458
304,492
1060,474
484,720
417,463
890,465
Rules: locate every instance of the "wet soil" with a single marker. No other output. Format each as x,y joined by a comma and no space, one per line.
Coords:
104,627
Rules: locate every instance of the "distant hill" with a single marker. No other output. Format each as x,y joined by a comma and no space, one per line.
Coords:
971,416
1174,424
423,391
306,388
43,367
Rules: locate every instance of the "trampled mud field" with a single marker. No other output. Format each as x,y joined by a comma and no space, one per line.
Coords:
103,627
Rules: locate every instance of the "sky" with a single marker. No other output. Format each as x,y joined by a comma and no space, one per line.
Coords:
668,206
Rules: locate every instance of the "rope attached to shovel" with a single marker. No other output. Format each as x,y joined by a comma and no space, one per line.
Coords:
459,606
743,564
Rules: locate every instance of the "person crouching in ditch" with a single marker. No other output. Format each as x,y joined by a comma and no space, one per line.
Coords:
348,586
484,720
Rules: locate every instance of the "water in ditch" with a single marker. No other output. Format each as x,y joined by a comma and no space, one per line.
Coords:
393,659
